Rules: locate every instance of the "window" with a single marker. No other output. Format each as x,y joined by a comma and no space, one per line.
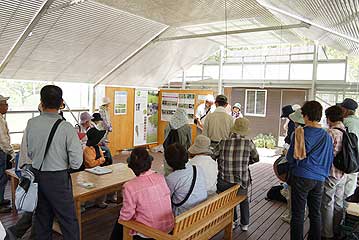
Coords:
256,103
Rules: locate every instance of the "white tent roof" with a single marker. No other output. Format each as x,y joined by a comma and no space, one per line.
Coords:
86,41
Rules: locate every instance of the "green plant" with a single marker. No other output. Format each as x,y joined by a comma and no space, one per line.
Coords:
265,141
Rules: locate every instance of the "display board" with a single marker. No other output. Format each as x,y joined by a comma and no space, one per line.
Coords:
145,117
171,99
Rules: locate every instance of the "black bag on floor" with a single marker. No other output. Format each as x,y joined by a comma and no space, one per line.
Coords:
275,195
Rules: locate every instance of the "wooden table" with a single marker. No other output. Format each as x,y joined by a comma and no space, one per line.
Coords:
104,184
14,181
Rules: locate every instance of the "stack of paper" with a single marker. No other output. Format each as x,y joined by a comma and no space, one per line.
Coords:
99,170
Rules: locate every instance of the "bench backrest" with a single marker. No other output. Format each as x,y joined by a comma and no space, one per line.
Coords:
203,210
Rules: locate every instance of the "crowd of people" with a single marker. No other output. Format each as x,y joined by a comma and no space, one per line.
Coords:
218,159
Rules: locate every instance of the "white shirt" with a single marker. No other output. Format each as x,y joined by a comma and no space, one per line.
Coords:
218,125
5,137
201,111
210,168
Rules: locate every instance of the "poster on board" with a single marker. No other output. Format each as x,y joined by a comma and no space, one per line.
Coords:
120,103
146,117
186,101
169,105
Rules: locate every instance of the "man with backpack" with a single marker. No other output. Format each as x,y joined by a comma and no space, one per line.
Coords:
351,122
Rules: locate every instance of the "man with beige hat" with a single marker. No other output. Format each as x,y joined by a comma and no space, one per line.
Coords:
200,154
234,155
105,115
6,153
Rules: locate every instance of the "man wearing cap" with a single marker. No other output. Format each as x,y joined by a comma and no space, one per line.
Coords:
6,152
351,122
218,124
234,155
202,111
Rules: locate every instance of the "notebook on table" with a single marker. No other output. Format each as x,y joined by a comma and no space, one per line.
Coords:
99,170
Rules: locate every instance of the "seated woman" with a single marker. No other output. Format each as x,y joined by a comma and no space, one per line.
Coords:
200,153
93,156
187,183
146,198
177,131
85,125
98,121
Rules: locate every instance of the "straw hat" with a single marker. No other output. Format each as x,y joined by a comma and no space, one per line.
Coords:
241,126
297,117
105,101
201,145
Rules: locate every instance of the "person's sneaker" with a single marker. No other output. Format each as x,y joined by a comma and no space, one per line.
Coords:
5,202
285,218
112,200
102,205
244,227
235,224
5,209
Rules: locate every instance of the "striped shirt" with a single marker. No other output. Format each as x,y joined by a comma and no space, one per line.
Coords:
234,156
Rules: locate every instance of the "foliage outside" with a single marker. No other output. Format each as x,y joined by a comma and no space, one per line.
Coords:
265,141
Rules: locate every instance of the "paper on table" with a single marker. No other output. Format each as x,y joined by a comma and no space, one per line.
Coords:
98,170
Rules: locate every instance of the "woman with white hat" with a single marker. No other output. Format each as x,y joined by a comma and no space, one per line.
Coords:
105,115
200,153
236,111
85,125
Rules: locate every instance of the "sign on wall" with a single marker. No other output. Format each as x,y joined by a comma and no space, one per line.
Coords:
172,101
120,103
146,117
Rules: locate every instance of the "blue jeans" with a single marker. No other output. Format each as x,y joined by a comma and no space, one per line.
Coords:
3,176
306,191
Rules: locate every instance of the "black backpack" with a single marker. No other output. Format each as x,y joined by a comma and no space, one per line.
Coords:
171,138
347,160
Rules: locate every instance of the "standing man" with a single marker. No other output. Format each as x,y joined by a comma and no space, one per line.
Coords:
202,111
105,115
351,122
54,182
219,123
6,152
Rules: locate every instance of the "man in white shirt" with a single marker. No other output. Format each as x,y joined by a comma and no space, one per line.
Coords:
218,124
6,152
202,111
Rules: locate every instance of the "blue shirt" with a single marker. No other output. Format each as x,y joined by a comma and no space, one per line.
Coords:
318,163
179,183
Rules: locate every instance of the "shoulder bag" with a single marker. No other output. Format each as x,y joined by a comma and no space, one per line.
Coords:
26,192
190,189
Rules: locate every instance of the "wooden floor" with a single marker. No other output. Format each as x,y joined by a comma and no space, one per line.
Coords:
265,222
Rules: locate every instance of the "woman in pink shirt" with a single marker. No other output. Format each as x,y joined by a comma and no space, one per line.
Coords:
146,198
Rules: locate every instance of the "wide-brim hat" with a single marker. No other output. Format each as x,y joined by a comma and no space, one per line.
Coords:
2,98
349,104
94,136
237,105
297,117
280,168
241,126
286,110
105,101
201,145
96,117
85,117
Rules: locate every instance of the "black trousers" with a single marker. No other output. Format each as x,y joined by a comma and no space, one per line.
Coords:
244,205
24,224
55,199
305,191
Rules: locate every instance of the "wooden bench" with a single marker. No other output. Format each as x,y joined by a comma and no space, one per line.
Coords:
201,222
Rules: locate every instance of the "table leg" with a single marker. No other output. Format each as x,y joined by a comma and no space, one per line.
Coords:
119,196
78,213
14,183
